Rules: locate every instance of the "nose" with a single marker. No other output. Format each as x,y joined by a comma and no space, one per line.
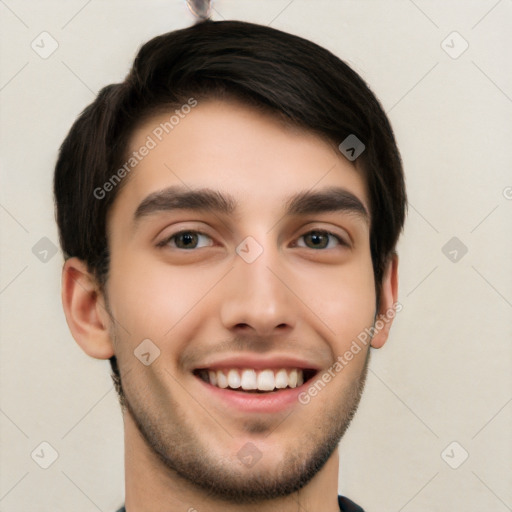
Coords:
257,295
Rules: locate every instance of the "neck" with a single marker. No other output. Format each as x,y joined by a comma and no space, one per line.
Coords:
151,485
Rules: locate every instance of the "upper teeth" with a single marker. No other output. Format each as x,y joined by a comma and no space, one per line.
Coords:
249,379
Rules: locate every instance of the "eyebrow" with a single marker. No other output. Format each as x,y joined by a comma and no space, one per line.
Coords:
177,197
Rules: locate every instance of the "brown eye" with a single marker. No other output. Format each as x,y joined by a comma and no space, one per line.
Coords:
318,239
185,240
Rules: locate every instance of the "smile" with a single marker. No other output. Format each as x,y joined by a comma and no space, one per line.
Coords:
255,381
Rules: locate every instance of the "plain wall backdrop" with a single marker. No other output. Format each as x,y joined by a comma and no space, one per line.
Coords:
439,391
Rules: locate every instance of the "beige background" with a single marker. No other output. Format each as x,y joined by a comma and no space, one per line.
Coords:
445,374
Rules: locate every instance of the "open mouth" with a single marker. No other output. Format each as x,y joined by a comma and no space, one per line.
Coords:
249,380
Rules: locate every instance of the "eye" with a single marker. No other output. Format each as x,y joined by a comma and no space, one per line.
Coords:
186,239
319,239
190,239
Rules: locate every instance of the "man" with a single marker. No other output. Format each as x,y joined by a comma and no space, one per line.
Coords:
229,216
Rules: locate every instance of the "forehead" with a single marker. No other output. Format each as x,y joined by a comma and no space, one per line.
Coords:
231,147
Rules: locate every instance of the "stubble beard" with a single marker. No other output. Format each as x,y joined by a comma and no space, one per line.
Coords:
186,454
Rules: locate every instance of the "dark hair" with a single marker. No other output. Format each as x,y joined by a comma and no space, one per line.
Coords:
298,81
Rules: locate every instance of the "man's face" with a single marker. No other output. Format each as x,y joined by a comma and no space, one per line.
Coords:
260,286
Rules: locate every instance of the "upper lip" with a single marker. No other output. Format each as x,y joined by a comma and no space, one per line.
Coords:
259,363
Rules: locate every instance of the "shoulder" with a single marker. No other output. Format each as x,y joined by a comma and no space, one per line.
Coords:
347,505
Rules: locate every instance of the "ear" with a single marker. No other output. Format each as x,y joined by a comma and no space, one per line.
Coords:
388,299
84,307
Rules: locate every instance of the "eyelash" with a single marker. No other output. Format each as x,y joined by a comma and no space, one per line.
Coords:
164,243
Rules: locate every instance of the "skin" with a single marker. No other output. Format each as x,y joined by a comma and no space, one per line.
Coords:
294,299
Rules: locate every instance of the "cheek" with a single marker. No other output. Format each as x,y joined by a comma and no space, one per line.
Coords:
152,300
149,299
342,298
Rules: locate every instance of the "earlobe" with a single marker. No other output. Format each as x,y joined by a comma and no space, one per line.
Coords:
387,300
85,312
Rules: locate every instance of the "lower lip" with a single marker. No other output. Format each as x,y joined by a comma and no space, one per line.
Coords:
274,401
